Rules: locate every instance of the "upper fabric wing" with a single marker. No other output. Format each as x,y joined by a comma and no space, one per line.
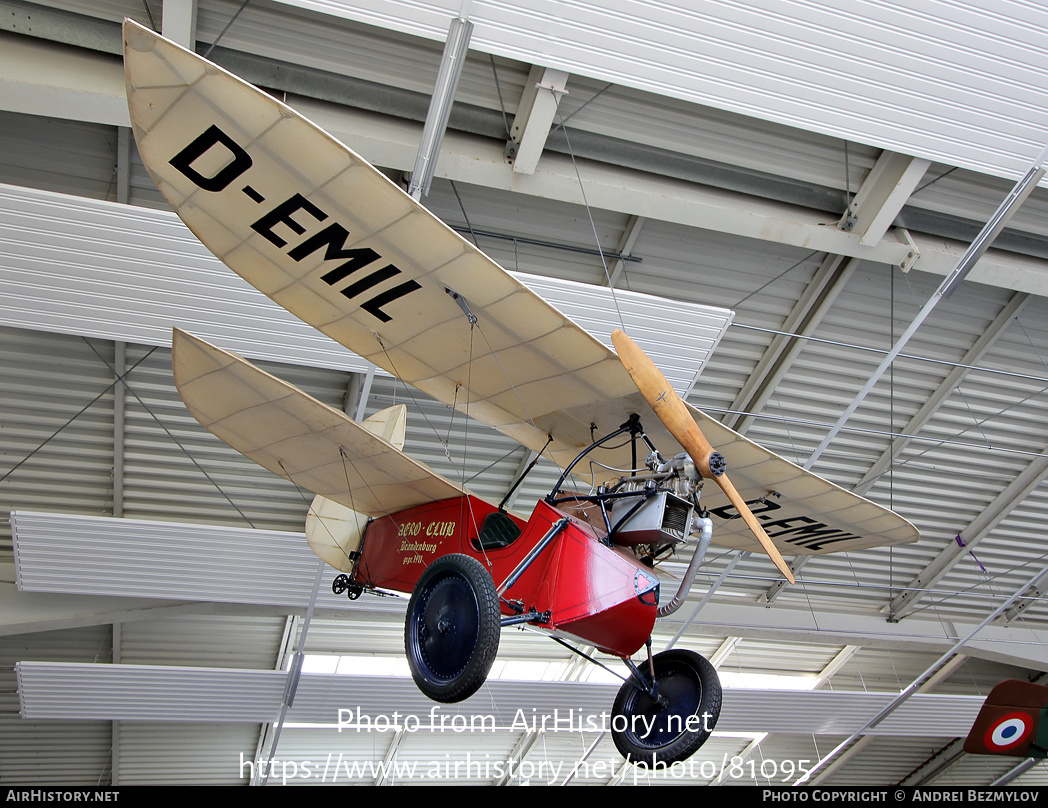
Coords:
327,236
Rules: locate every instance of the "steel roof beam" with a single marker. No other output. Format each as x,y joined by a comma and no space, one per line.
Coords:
436,124
1027,598
39,82
625,247
863,742
941,762
819,296
882,195
178,22
993,227
1013,646
834,665
535,113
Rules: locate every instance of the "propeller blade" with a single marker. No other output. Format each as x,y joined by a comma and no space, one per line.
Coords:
668,406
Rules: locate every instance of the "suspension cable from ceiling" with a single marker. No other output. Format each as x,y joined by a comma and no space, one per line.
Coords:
229,24
1023,188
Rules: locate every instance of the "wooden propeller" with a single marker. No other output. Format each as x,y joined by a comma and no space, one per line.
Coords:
675,416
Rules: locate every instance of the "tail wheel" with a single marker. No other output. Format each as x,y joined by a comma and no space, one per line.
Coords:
452,630
675,725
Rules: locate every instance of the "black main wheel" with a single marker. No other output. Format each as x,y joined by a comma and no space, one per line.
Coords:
673,727
452,630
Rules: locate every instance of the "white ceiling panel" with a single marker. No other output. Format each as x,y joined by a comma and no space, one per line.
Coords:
958,82
69,690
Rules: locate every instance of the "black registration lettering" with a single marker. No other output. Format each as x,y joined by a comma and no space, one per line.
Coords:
239,160
374,306
757,507
281,214
333,239
812,536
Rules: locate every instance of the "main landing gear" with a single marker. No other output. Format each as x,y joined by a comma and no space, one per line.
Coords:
452,631
668,719
452,635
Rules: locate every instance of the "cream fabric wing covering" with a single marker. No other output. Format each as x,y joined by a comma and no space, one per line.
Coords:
326,235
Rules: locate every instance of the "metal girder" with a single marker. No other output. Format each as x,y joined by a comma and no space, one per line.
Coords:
1030,478
882,195
114,729
835,664
123,165
264,748
119,425
724,650
520,751
625,247
972,357
993,227
941,761
772,593
178,22
535,113
391,753
1012,646
33,19
38,78
1016,770
1027,598
819,296
31,612
739,758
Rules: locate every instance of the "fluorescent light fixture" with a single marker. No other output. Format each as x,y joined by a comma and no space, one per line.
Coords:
765,681
535,670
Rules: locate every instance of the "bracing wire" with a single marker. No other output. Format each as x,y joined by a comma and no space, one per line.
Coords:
171,435
119,378
589,214
222,33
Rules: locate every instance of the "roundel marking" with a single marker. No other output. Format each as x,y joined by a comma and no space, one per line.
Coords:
1008,732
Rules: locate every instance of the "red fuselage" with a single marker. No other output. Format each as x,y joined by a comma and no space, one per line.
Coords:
596,593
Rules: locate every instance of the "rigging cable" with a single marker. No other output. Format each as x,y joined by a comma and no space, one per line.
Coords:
589,213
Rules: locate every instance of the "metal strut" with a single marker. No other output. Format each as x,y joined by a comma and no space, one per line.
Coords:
558,526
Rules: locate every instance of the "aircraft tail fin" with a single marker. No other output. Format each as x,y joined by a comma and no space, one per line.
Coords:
333,531
1012,722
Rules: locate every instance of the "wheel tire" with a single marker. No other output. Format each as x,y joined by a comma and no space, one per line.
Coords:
452,631
688,689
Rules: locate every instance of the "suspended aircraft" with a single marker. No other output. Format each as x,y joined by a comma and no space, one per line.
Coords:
327,236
